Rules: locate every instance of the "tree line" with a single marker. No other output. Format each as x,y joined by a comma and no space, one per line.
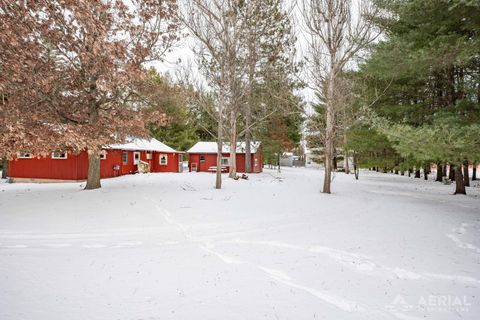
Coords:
413,97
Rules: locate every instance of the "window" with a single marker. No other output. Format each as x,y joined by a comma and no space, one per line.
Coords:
149,155
59,155
202,159
225,161
136,157
125,157
24,156
255,163
103,155
163,159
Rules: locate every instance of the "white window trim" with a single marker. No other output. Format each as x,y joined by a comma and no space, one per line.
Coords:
160,159
149,155
228,161
103,155
24,155
126,159
59,158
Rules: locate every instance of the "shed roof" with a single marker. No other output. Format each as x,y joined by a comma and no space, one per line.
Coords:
140,144
211,147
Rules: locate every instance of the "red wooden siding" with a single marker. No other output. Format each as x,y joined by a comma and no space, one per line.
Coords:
75,167
211,161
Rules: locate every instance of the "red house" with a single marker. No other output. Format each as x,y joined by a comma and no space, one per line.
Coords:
116,160
203,157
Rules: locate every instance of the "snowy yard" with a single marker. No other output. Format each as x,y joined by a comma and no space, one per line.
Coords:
169,246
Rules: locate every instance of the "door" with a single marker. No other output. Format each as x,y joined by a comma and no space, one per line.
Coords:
136,157
180,162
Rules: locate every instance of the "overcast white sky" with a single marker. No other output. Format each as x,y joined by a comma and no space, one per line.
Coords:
182,56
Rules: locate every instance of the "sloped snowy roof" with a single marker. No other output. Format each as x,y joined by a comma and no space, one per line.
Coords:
211,147
143,145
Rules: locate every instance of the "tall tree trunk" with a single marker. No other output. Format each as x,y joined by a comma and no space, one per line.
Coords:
4,168
233,145
426,171
410,172
439,176
345,155
459,184
474,172
466,178
93,178
218,175
248,140
417,173
451,172
444,171
355,168
329,132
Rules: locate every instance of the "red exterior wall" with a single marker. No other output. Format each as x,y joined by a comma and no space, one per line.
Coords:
48,168
75,167
211,161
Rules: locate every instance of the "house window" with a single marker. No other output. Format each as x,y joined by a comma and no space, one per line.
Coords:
149,155
103,155
202,159
163,159
255,163
62,155
125,157
24,156
225,161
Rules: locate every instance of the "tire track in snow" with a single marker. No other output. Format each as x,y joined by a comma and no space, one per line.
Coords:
363,264
207,245
459,243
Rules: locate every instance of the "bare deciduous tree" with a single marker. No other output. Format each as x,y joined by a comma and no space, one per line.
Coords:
216,26
338,30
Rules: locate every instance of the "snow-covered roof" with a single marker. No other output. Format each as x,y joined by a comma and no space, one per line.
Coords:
143,145
211,147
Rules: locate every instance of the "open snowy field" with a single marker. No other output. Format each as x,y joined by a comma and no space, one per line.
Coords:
169,246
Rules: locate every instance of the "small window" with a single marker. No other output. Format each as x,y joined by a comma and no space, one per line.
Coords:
255,163
225,161
103,155
125,157
59,155
202,159
149,155
24,156
163,159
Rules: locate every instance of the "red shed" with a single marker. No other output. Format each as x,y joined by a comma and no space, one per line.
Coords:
116,160
203,156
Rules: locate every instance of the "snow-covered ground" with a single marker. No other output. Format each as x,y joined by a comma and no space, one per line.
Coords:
169,246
